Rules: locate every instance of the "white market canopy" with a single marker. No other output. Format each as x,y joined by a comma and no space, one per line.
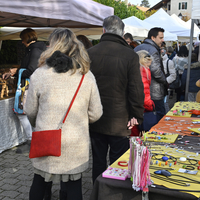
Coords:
139,29
185,24
53,13
195,10
162,19
196,28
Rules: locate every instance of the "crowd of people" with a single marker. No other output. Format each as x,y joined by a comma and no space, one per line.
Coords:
122,80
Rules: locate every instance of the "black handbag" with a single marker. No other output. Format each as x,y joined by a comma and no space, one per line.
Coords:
149,120
177,82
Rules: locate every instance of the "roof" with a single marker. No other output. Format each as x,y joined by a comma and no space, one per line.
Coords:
142,8
159,5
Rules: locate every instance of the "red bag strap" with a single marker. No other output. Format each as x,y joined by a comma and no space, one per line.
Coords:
72,101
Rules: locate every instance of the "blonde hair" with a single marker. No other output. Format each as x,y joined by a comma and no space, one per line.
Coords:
144,58
65,41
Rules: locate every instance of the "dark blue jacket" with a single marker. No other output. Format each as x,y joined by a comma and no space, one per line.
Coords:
194,77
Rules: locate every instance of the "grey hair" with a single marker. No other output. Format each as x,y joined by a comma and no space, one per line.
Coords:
170,49
114,24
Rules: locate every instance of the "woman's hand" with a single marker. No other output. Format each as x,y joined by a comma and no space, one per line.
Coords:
12,72
6,75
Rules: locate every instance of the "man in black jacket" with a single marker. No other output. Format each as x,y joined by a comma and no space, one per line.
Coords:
158,88
196,49
116,69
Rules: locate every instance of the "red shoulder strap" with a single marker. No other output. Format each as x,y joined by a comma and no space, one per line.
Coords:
72,101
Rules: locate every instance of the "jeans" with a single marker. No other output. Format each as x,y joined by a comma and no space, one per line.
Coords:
100,144
160,108
166,101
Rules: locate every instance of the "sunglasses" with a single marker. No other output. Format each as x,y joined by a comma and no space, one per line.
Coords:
147,56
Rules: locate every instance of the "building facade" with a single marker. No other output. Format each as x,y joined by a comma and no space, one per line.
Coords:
182,8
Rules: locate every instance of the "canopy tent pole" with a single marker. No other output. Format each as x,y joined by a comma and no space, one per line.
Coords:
189,60
177,45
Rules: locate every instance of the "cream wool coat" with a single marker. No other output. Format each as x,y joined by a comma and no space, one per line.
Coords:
48,98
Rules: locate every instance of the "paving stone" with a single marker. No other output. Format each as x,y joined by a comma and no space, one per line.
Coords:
9,187
23,196
10,180
25,182
6,198
23,189
10,194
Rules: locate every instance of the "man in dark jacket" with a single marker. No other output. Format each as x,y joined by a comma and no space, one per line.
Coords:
196,49
158,80
116,69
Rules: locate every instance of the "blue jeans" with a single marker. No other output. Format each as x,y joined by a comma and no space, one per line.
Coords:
100,145
160,108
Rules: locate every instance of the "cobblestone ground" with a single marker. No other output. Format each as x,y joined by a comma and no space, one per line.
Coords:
16,173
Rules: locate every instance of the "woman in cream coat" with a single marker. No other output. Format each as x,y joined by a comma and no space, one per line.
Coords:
51,89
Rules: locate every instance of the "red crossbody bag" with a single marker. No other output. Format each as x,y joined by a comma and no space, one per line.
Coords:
48,142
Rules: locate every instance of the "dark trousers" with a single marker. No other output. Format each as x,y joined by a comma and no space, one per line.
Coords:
69,190
160,108
100,145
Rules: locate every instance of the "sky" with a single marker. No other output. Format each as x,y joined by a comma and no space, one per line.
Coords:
151,2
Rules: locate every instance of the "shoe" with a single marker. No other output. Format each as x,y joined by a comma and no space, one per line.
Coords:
25,148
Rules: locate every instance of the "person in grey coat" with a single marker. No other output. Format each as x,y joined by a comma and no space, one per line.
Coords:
168,68
51,89
158,88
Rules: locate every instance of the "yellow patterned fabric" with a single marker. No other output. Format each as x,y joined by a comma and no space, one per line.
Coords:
183,106
161,138
169,152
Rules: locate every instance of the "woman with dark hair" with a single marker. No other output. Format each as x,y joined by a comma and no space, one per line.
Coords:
30,63
180,60
87,44
52,86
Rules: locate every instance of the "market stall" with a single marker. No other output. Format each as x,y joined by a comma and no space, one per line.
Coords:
11,132
174,148
81,16
112,189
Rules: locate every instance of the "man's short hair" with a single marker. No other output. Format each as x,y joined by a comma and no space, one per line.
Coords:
128,36
114,24
163,44
154,32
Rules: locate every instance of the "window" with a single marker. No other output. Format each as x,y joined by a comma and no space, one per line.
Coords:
183,6
168,6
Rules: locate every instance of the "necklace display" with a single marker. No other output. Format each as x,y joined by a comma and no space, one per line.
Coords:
174,125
